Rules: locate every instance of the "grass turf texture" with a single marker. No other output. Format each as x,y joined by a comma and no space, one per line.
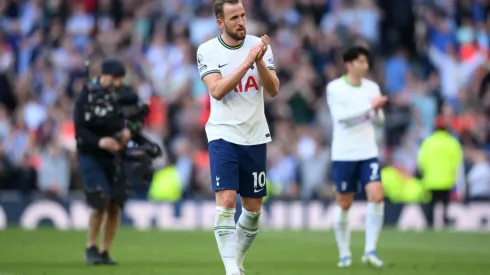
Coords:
50,252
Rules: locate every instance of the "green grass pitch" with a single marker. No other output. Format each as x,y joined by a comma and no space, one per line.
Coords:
50,252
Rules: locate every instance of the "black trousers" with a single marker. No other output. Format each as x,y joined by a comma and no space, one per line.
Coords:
429,209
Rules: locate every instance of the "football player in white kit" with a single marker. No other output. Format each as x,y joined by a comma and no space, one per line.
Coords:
355,105
237,68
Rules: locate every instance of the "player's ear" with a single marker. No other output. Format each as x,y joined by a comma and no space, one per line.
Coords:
221,23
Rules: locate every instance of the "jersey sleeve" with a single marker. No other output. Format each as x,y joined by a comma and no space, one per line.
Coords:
343,112
206,63
269,59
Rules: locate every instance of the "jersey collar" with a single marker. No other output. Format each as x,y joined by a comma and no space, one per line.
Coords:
228,46
344,77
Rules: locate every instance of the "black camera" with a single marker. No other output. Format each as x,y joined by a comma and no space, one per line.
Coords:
140,151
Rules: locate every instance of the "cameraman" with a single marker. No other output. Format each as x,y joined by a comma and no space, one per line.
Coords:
100,135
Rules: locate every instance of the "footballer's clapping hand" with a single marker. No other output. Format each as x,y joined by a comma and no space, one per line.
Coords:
379,102
253,54
264,43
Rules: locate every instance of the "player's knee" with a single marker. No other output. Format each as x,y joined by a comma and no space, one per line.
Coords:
345,200
228,203
344,204
226,198
252,204
375,192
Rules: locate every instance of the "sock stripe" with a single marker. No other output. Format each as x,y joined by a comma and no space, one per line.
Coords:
246,228
224,209
251,218
224,227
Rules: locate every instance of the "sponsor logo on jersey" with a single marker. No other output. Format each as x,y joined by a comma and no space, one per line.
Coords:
251,84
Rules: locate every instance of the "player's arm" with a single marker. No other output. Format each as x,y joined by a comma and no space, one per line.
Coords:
379,115
217,85
349,116
345,114
267,73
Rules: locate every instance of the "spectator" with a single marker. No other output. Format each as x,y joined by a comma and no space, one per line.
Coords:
314,168
396,72
479,176
437,72
54,172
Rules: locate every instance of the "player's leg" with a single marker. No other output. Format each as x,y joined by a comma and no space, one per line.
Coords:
344,176
224,179
96,190
253,164
371,179
247,227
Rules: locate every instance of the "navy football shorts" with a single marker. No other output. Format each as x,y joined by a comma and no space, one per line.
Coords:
238,167
353,176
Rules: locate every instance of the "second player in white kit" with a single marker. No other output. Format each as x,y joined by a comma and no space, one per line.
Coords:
355,104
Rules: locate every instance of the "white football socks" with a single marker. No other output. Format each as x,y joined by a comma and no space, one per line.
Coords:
342,231
374,224
246,229
226,238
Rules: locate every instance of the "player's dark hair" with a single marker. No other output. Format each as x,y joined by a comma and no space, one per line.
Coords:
355,52
218,6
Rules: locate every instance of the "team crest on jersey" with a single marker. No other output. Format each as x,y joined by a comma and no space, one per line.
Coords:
271,61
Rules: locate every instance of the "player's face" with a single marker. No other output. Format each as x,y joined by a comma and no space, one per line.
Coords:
234,21
359,66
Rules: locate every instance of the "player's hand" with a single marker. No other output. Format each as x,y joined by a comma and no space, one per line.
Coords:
379,102
110,144
252,55
264,43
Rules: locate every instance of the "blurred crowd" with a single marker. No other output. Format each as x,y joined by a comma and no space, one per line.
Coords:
430,58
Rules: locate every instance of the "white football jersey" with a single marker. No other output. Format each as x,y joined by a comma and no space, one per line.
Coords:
239,117
352,114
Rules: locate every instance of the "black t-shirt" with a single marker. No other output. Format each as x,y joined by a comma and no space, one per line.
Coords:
90,129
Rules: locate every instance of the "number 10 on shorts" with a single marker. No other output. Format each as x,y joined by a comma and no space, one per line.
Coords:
259,179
